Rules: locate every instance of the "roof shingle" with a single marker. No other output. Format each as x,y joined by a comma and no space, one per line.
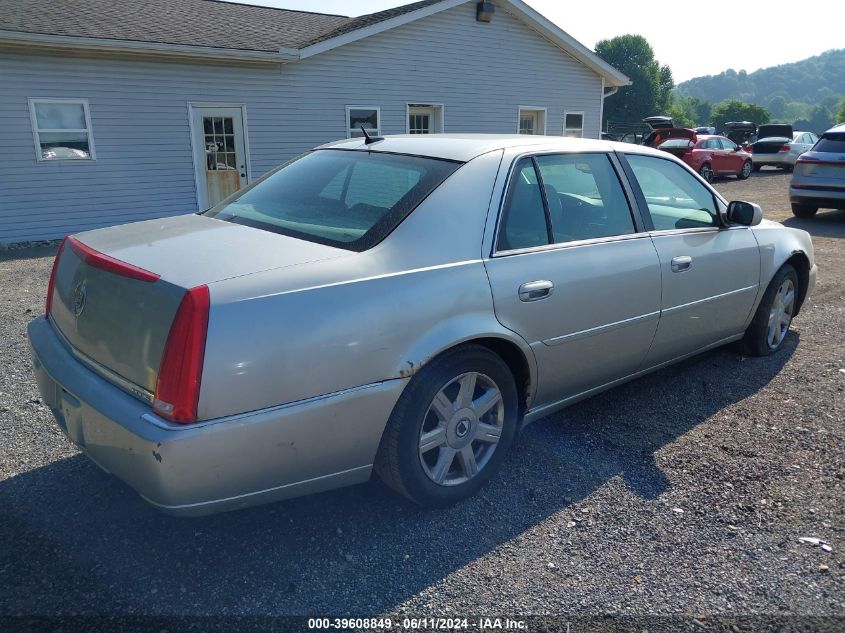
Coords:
207,23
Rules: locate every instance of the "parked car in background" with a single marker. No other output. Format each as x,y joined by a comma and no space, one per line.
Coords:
638,137
400,305
704,129
778,145
711,156
819,177
740,132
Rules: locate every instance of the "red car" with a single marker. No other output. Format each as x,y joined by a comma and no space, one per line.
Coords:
709,155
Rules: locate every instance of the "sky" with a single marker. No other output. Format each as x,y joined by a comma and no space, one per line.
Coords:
694,39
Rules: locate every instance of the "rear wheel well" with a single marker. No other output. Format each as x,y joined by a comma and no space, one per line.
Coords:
801,264
516,362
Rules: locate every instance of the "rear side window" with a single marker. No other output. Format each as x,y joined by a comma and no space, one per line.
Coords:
831,143
524,220
563,198
584,197
727,144
349,199
676,199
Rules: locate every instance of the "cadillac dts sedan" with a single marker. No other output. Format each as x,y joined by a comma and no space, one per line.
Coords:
401,305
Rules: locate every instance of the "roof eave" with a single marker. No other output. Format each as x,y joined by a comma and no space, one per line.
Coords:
379,27
154,48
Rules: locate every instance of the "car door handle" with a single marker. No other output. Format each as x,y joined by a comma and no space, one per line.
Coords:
536,290
681,263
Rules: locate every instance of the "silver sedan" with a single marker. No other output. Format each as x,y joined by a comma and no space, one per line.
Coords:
399,305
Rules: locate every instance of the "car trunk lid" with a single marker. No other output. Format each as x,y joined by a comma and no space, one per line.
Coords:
116,291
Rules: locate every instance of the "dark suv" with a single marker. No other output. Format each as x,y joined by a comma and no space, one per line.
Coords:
819,177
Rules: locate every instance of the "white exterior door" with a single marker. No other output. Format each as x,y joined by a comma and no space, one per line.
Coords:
219,153
425,119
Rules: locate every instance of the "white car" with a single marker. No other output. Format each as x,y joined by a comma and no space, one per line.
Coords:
780,146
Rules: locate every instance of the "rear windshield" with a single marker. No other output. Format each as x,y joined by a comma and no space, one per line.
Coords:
349,199
831,143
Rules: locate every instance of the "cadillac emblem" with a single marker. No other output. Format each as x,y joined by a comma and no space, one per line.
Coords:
77,299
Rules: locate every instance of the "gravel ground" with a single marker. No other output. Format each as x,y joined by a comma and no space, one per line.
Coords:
685,492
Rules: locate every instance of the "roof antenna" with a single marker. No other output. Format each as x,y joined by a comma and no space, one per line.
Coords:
369,140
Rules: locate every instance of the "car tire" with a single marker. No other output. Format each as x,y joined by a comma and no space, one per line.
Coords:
803,210
745,172
773,317
706,172
412,465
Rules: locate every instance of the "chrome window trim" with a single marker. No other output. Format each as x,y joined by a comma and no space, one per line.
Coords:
573,244
623,183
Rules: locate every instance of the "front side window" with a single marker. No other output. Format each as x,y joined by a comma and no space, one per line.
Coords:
347,199
62,129
573,124
362,116
675,198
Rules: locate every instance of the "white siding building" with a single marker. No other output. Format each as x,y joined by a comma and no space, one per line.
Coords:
162,107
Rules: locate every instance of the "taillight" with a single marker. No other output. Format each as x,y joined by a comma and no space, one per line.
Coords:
784,148
96,259
49,301
180,373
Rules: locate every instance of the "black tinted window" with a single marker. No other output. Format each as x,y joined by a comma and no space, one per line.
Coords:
342,198
524,218
831,143
585,197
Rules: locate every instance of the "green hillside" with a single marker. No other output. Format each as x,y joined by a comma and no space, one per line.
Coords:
791,92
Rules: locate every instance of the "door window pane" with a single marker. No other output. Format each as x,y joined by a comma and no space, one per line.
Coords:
524,219
220,151
676,199
585,197
727,144
532,121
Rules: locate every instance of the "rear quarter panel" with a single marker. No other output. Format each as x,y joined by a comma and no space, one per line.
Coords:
281,336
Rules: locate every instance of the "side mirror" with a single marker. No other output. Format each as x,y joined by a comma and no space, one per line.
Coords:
744,213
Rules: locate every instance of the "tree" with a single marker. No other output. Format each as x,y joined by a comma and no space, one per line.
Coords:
734,110
840,115
651,83
777,106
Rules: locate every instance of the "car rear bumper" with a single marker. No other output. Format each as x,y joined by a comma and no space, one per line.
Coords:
778,159
824,198
216,465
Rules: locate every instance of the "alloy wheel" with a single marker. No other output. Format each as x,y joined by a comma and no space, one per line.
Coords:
461,429
706,172
780,315
746,169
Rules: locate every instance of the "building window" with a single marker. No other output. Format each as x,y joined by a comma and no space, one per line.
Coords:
532,121
61,129
573,124
368,117
425,118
